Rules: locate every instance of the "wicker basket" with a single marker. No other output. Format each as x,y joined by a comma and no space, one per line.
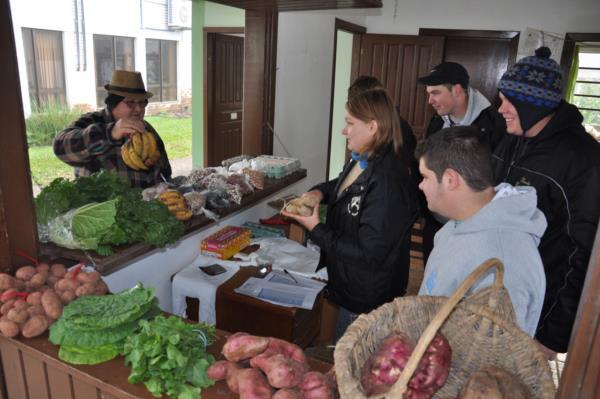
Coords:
481,332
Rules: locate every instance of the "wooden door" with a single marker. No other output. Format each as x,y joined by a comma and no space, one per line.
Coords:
485,54
225,95
397,61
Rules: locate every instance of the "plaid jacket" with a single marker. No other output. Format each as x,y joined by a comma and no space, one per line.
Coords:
87,145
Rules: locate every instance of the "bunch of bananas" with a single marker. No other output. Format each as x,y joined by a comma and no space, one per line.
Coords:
140,152
177,204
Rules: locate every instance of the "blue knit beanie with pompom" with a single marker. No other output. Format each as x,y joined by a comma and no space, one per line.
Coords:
534,86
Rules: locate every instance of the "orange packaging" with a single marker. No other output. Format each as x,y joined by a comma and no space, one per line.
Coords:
226,242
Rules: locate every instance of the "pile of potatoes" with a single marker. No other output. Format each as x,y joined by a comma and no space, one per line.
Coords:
270,368
34,298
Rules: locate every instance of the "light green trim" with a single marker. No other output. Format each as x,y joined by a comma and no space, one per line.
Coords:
572,77
198,83
205,14
343,64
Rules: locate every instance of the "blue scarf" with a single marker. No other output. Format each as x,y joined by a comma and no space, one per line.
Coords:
362,159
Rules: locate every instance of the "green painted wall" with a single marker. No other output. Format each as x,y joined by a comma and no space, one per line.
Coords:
205,14
343,61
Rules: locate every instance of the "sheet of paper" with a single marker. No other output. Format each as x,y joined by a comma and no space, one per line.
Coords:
279,288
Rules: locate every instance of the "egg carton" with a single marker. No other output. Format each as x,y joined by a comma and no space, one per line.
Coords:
277,167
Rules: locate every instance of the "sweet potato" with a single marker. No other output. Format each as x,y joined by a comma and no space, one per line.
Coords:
36,310
253,385
241,346
35,326
43,267
231,379
286,348
6,281
52,304
25,273
433,369
287,393
8,328
90,277
218,370
101,287
35,298
281,371
18,315
66,284
86,289
385,365
52,279
316,385
58,270
67,296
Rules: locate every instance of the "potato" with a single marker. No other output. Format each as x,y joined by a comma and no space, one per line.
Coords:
38,279
90,277
52,304
286,348
58,270
35,298
35,326
8,328
218,370
6,281
66,284
20,285
43,267
317,385
52,279
18,315
8,305
101,287
86,289
67,296
20,303
36,310
8,295
281,371
25,273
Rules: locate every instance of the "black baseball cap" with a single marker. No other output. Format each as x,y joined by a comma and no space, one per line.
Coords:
446,72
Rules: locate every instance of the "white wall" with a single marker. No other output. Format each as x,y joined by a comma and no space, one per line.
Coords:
305,54
100,18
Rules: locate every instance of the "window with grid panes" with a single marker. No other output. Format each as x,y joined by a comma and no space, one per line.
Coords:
161,69
586,95
45,66
110,53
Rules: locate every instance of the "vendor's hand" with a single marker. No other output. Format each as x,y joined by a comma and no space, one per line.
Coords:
550,354
125,127
309,222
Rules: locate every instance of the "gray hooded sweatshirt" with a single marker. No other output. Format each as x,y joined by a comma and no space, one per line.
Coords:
475,104
508,228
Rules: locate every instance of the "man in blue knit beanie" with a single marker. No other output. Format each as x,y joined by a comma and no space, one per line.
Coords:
547,148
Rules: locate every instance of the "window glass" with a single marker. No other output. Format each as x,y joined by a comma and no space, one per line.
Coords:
45,66
110,53
161,69
169,70
153,68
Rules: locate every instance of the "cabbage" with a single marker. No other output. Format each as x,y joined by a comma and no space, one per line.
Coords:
84,227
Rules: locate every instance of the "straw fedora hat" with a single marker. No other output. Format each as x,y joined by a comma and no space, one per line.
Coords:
128,84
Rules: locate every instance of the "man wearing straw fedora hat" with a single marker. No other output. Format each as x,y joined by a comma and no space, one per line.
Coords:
484,222
93,142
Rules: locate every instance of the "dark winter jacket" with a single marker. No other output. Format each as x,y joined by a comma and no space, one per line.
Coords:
563,163
489,121
87,145
365,241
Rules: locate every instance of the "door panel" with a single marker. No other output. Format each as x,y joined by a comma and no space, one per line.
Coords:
397,61
226,67
485,54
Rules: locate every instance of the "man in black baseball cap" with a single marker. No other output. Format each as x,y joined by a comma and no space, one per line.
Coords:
456,103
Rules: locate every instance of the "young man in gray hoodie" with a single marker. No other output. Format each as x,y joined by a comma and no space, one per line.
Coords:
484,222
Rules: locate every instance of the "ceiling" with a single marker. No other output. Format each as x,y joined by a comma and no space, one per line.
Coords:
300,5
